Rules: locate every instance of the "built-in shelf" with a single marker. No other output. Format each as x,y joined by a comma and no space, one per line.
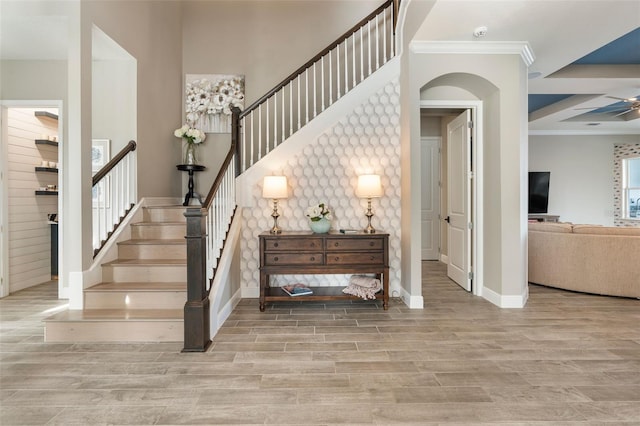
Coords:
46,169
46,114
46,142
38,192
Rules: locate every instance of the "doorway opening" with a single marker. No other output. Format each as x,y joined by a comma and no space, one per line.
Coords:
457,245
31,181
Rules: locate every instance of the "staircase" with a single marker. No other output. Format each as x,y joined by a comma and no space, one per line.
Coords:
143,292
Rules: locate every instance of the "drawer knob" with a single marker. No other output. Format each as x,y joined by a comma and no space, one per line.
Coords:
371,258
275,244
337,244
371,243
312,258
337,258
313,244
275,258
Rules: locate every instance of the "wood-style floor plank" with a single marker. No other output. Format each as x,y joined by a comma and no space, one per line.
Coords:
565,359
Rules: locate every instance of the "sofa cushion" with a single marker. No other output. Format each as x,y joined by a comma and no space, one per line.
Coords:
606,230
561,227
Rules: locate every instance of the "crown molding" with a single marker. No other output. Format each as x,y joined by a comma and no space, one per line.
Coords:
521,48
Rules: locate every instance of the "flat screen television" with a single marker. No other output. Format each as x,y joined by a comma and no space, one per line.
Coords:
539,192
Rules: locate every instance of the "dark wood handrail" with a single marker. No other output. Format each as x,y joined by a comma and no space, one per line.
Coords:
235,114
131,146
316,58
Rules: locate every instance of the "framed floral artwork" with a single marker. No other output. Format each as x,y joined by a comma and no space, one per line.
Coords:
209,98
100,153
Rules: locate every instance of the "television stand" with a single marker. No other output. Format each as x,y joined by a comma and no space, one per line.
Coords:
544,217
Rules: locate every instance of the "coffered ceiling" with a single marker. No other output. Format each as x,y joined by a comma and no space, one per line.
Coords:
587,54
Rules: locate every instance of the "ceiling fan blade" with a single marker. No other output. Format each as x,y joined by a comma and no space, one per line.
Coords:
622,99
623,112
603,107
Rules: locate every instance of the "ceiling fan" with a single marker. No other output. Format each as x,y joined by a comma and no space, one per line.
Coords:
623,107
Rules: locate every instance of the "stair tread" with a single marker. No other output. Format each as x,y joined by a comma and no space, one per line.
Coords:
154,241
147,262
118,315
139,286
158,224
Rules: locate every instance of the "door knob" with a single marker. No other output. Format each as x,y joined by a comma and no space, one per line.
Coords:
447,219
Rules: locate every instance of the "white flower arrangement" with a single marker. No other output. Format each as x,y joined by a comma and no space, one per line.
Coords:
204,97
317,212
190,134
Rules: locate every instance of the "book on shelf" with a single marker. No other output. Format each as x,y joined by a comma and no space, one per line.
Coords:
297,289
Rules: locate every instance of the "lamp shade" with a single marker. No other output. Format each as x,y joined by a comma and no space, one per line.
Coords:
274,187
369,186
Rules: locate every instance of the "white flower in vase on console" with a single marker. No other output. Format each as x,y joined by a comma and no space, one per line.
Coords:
192,137
319,218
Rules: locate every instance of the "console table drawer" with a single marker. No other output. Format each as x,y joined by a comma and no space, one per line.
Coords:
292,244
354,244
273,259
375,258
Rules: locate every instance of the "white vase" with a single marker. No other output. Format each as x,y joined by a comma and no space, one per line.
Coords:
321,226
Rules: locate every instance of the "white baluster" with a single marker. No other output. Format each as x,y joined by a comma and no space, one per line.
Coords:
259,134
369,47
315,93
322,82
298,95
330,81
338,71
377,44
353,43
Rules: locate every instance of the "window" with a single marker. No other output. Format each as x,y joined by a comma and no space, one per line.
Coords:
631,188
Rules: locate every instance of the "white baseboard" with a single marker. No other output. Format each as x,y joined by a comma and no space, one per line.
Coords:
507,302
413,302
444,259
226,310
250,292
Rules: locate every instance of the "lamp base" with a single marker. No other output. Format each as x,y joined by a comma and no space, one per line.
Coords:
275,229
369,214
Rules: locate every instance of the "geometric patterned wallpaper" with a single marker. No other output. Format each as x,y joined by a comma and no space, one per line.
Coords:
621,151
326,171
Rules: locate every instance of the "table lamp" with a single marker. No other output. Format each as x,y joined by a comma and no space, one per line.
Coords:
369,187
275,187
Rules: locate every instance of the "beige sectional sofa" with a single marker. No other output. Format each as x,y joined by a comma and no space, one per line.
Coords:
587,258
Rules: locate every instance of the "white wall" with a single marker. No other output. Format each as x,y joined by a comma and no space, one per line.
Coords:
581,186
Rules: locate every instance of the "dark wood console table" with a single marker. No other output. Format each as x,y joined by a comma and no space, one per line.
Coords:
191,168
300,252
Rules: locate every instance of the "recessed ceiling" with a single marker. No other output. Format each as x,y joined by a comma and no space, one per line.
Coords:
624,50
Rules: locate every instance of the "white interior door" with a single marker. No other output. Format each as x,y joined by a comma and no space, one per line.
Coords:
430,188
459,200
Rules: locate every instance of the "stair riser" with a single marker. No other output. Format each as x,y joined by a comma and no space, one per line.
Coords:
159,231
135,300
117,273
164,215
114,331
152,251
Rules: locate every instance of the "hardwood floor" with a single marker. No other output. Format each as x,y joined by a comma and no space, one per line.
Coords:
565,359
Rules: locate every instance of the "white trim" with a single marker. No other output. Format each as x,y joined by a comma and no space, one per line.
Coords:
250,292
521,48
444,259
225,312
218,314
477,233
506,302
603,132
413,302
